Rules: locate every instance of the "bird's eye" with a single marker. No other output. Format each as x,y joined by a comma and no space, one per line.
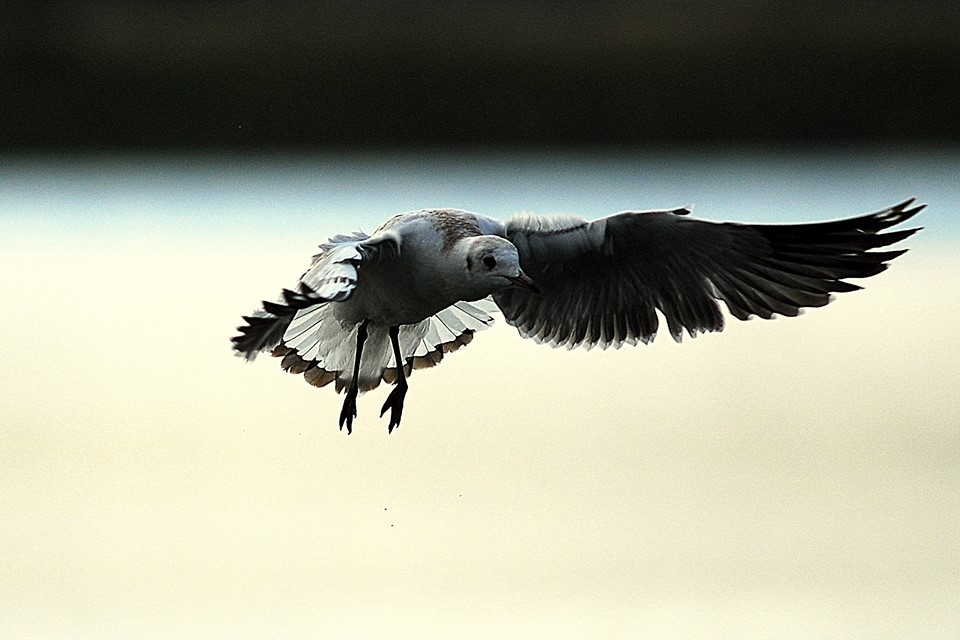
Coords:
489,262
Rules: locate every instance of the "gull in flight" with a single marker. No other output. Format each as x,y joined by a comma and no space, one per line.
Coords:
376,307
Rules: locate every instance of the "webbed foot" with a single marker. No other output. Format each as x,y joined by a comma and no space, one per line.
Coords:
395,404
349,410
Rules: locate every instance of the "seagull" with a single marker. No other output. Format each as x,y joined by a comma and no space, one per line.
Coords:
424,282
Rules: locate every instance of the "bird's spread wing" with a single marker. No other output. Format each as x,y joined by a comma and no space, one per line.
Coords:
601,282
332,277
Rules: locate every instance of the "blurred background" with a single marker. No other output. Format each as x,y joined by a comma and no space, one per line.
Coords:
164,166
253,76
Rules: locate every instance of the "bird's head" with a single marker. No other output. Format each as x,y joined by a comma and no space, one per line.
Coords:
493,264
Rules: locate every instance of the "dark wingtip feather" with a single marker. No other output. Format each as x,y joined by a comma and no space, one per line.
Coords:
897,214
275,308
894,237
262,332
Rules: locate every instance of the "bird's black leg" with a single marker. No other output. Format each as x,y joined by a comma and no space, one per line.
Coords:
349,411
395,399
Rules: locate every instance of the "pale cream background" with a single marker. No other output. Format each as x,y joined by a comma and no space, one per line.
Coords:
798,478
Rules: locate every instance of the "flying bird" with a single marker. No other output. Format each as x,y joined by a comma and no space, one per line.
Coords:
375,307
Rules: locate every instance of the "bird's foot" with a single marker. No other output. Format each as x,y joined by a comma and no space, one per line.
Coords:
395,404
349,410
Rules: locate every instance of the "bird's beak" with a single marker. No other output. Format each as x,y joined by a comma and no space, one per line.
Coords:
523,281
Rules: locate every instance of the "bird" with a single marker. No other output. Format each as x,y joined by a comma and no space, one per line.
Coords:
376,307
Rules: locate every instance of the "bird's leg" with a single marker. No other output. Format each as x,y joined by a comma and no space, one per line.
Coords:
349,411
395,399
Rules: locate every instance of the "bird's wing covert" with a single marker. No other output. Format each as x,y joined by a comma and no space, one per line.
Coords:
332,277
